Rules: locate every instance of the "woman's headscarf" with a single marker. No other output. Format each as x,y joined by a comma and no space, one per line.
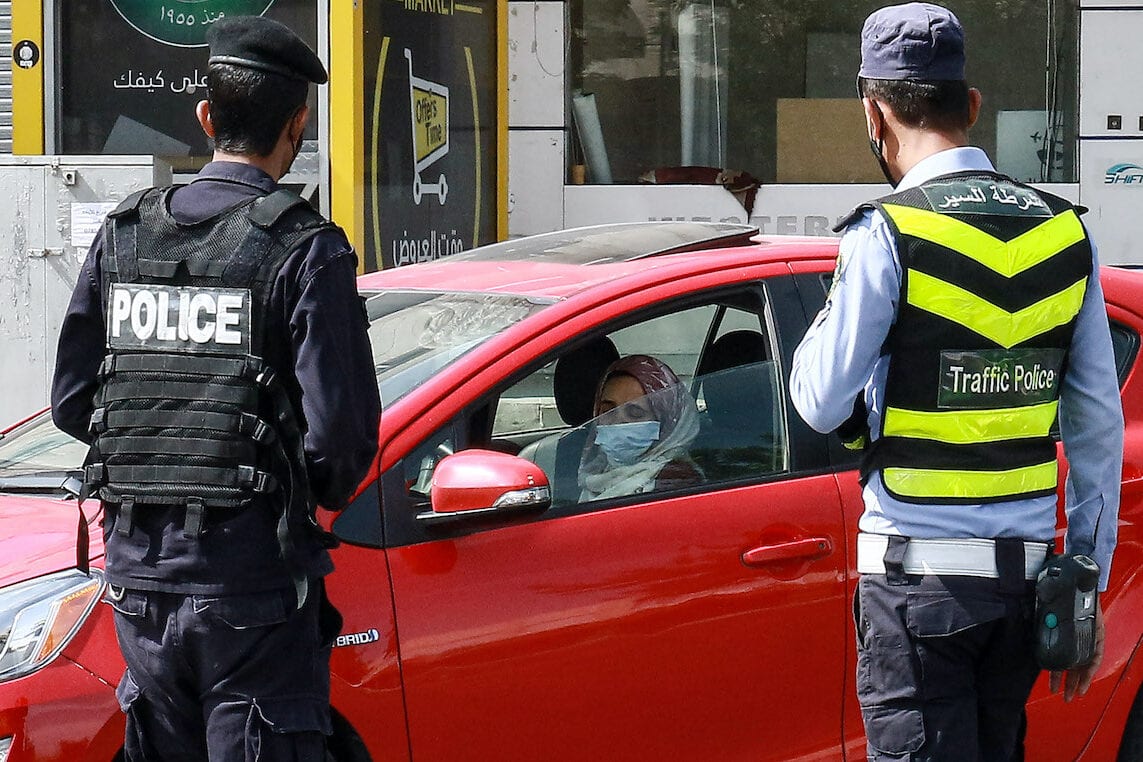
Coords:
674,409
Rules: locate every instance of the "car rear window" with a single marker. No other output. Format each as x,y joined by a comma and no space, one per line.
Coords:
1125,343
416,334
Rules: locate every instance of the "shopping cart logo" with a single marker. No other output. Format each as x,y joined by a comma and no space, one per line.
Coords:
429,107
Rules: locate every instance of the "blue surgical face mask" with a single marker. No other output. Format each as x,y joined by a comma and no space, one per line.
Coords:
623,443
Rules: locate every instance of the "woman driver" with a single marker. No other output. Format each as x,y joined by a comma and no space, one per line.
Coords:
645,421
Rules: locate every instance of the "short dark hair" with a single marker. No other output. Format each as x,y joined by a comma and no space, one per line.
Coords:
249,107
940,104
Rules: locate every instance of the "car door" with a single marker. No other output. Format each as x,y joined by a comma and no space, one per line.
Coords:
813,280
706,620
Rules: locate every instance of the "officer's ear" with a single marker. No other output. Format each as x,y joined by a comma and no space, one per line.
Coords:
974,101
202,111
874,119
297,124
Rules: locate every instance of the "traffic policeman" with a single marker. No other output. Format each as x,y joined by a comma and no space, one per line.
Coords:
965,314
215,355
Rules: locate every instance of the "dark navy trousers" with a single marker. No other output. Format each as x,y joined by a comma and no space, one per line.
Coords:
945,665
229,678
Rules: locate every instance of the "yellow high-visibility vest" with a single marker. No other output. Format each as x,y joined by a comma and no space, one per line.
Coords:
993,276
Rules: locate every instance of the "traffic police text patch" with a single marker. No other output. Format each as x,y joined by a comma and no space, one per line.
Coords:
992,378
178,319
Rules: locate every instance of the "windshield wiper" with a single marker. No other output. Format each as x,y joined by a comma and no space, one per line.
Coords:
44,482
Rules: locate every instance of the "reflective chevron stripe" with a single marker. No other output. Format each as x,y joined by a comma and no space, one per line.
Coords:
1010,258
983,317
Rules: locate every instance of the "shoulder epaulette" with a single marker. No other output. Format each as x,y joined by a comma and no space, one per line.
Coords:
130,205
853,216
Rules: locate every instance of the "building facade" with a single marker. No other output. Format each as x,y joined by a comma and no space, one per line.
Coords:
451,123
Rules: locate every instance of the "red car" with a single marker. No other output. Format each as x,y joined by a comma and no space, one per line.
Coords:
494,608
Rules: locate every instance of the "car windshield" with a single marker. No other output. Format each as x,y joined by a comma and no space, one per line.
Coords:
38,447
415,334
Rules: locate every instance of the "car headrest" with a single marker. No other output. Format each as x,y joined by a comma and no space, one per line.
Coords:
736,399
734,349
577,376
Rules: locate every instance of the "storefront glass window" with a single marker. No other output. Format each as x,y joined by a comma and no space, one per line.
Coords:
768,87
130,72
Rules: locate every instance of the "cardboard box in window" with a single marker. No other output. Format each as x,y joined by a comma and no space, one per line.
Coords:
824,140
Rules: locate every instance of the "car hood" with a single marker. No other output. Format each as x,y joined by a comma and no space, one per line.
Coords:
38,536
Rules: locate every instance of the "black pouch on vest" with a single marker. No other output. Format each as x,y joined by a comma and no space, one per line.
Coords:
1067,593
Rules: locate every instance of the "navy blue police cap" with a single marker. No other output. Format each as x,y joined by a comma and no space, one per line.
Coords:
259,43
915,41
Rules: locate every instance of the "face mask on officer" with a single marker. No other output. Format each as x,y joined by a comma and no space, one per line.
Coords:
877,145
297,144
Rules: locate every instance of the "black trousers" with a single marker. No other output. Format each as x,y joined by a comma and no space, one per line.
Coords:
225,678
945,665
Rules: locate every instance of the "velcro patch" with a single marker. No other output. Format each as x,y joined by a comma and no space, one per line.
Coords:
996,378
178,319
995,197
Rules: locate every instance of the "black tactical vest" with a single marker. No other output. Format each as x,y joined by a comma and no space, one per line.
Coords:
187,413
993,274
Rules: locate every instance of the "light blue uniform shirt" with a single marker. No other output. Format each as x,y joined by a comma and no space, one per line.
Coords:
840,357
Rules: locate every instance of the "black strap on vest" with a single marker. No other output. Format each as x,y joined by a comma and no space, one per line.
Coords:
269,209
82,543
129,205
124,522
121,239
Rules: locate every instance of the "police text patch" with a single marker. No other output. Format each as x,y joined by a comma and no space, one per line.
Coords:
178,319
997,378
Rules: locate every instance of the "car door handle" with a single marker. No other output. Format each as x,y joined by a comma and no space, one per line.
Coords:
809,548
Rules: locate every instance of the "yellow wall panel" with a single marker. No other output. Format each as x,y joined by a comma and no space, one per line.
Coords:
347,123
28,83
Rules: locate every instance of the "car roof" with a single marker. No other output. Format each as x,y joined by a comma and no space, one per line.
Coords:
560,264
618,242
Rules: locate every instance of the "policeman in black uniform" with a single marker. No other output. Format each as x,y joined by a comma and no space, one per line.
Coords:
215,355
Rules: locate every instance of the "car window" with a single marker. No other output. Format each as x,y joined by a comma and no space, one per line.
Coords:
676,338
721,351
738,435
419,465
531,407
722,423
744,432
1125,344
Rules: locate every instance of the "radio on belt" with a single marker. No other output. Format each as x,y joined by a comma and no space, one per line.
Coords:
1066,597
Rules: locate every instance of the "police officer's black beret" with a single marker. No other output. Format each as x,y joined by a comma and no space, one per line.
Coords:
915,41
260,43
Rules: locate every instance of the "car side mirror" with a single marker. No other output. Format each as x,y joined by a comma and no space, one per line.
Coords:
474,484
